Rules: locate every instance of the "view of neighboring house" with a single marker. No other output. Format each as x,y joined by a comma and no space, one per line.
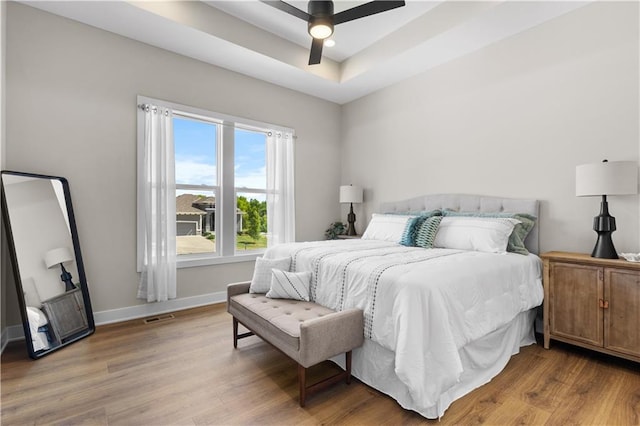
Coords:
196,215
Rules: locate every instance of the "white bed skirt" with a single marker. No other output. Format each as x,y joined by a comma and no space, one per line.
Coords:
482,360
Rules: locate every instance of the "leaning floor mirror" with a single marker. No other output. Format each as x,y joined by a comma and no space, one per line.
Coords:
47,262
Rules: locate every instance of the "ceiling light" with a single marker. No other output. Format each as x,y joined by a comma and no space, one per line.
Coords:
320,19
320,28
329,42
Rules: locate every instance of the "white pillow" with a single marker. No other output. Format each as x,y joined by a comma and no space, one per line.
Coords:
261,281
386,227
290,285
486,234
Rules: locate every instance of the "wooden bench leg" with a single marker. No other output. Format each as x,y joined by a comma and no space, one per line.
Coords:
237,336
348,366
235,332
302,383
302,380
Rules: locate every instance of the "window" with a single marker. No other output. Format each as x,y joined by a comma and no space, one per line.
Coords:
196,146
250,177
223,201
197,190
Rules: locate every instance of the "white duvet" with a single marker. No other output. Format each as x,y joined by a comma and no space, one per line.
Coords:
424,305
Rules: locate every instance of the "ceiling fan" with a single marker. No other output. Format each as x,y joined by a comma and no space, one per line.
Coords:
321,18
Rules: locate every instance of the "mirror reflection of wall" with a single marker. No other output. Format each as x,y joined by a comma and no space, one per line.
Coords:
37,215
48,269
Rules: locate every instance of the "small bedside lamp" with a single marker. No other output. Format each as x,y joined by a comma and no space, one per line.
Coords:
351,194
602,179
58,257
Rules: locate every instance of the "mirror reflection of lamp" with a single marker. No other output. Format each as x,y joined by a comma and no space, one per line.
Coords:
59,256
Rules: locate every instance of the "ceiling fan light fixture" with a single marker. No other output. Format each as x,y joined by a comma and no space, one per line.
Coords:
321,19
320,28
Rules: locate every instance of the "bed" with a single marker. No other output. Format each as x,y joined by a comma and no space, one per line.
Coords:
38,321
439,322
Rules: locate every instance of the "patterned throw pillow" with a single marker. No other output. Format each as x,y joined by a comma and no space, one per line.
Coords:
427,231
290,285
411,230
413,225
261,281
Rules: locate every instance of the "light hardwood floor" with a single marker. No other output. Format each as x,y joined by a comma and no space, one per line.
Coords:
185,372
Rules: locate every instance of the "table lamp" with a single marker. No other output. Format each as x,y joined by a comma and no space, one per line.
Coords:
351,194
59,256
602,179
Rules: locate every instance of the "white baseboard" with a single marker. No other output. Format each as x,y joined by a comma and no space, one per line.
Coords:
149,309
16,332
11,333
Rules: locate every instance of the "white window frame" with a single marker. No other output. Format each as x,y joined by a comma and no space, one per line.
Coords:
225,189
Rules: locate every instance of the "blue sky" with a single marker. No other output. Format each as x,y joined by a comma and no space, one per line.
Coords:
250,154
195,147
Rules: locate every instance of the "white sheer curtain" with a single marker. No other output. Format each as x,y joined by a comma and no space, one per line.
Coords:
157,205
281,224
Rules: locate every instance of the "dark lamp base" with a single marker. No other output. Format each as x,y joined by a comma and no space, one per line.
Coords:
604,224
351,222
66,279
604,248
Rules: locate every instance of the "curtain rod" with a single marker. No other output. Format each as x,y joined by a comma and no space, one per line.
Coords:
146,107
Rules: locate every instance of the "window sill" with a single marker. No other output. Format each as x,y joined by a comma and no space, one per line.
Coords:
190,261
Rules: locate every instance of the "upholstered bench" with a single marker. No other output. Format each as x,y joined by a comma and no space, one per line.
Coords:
306,332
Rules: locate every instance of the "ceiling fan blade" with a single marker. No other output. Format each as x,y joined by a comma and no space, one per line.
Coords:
291,10
366,9
316,51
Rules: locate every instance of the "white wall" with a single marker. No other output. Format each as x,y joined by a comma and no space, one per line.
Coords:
71,111
513,119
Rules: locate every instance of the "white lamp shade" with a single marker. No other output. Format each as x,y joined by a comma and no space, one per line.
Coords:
57,256
607,178
350,194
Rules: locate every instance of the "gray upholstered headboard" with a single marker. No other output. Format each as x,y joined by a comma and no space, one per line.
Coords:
465,202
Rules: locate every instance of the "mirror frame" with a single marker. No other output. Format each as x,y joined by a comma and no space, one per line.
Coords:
16,268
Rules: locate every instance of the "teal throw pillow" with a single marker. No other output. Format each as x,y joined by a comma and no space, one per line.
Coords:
413,225
427,231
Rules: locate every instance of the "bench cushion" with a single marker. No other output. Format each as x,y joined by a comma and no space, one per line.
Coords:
283,316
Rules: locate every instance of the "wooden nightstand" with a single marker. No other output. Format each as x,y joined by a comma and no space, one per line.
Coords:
349,237
593,303
66,314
